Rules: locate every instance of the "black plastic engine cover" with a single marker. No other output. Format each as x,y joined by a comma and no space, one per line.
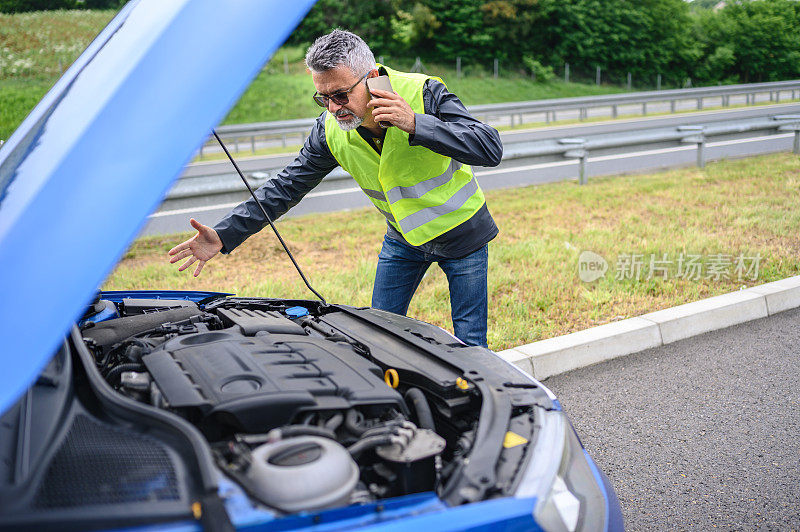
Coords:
253,384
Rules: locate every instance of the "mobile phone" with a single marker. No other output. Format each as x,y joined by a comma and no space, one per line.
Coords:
381,83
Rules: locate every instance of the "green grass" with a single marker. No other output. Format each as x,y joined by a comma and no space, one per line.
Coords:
274,95
744,207
17,98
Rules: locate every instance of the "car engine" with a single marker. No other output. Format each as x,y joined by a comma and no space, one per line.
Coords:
299,414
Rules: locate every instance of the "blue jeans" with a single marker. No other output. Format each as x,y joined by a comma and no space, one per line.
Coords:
400,270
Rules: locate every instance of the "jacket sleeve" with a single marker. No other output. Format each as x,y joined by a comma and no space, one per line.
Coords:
448,129
280,193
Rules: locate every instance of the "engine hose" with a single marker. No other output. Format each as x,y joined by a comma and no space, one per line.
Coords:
352,424
389,427
290,431
369,443
421,407
334,422
119,370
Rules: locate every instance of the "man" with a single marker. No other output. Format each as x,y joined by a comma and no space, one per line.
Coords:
416,172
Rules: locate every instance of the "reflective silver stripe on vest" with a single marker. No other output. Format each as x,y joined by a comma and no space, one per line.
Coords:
421,217
387,214
377,194
420,189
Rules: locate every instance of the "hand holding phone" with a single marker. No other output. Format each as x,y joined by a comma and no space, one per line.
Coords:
381,83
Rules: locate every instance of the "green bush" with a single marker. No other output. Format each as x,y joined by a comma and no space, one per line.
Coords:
540,72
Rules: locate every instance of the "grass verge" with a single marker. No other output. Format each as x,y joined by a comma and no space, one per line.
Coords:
741,208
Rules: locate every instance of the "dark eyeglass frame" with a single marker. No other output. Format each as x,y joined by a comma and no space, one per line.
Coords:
339,98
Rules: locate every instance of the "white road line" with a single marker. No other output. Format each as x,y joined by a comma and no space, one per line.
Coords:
192,210
509,170
527,167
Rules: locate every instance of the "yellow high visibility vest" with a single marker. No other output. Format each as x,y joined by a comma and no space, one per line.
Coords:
421,193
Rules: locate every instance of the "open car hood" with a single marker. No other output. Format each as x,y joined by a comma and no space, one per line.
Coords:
101,149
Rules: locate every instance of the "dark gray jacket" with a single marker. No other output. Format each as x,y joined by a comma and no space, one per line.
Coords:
446,128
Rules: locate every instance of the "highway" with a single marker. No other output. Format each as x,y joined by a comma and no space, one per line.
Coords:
698,434
334,194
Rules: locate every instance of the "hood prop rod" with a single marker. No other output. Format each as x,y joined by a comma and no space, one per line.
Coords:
264,212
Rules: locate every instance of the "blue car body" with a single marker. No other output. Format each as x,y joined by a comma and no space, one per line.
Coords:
77,180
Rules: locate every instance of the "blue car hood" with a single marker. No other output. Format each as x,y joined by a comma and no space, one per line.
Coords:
97,155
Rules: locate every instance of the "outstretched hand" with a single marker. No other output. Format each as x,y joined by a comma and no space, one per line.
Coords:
200,248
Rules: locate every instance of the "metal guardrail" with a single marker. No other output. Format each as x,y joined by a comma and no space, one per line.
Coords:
237,133
614,101
570,148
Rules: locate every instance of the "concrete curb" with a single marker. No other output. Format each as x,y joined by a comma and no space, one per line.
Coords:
572,351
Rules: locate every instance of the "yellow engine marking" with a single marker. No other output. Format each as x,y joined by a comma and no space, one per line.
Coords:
512,440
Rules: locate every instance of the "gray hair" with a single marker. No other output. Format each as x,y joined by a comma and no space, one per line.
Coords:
340,48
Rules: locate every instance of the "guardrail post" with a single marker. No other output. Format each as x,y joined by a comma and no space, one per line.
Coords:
630,81
698,138
236,144
614,111
566,72
777,96
658,82
699,103
701,145
770,96
795,127
496,68
253,143
672,106
597,77
577,153
644,108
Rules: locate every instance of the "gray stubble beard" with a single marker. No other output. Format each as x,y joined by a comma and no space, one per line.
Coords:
351,124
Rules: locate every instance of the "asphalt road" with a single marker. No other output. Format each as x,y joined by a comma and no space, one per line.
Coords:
341,195
699,434
251,164
625,111
333,195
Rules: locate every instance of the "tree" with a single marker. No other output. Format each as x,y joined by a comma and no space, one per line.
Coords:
461,32
369,19
750,41
645,37
20,6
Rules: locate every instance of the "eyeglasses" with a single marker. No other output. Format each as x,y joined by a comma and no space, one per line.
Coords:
339,98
